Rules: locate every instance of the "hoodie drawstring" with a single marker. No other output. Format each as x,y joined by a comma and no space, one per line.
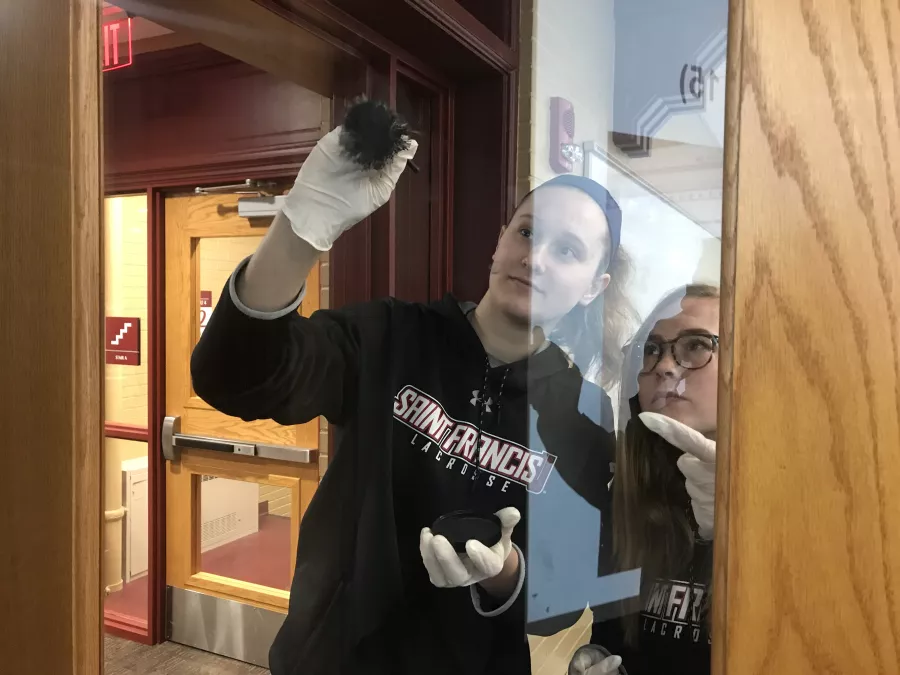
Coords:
482,404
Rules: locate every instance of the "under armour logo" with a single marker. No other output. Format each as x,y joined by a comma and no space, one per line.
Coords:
476,399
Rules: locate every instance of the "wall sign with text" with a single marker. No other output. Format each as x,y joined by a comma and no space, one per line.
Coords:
205,308
123,340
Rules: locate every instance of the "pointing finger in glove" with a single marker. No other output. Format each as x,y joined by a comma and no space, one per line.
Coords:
681,436
698,465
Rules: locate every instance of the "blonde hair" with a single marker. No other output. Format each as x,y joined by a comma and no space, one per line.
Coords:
607,320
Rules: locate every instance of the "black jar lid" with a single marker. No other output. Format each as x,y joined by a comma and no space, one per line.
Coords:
461,526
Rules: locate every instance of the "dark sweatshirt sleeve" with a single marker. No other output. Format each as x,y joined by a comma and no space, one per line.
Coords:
282,366
583,439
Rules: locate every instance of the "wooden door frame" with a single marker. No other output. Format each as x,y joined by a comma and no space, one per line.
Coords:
52,287
51,363
806,544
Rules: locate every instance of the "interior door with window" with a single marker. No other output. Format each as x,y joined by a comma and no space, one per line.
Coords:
235,491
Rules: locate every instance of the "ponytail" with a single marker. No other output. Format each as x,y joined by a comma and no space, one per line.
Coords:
594,334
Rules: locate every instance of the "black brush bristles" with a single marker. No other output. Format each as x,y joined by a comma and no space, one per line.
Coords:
373,134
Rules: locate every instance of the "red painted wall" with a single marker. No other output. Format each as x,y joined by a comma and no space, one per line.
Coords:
192,113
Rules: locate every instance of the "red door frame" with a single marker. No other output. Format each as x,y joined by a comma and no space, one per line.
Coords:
441,255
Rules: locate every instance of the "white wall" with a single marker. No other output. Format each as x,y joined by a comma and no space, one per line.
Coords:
666,247
573,48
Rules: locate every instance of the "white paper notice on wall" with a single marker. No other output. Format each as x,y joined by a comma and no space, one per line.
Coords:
205,308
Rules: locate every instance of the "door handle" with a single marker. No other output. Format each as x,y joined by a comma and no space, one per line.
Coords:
173,441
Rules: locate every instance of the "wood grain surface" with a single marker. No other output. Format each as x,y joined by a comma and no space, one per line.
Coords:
190,221
213,219
808,522
50,338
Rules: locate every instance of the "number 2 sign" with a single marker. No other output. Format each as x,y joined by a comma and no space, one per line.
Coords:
205,308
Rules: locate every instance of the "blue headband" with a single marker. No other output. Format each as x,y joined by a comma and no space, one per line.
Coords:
604,200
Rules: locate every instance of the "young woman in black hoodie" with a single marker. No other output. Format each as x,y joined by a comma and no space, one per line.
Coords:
436,408
663,494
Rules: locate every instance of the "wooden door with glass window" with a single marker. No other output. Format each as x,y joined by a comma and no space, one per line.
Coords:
235,491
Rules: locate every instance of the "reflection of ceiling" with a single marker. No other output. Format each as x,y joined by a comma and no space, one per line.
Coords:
146,36
141,29
688,175
703,126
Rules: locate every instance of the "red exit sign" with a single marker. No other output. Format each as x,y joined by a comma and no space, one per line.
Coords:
117,44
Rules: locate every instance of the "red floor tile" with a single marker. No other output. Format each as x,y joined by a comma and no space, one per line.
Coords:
260,558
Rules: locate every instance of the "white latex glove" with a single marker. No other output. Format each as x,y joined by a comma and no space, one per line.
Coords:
448,569
592,660
698,465
332,194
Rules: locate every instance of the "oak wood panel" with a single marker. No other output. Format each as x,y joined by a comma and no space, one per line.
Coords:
249,593
808,560
183,520
50,338
188,220
86,195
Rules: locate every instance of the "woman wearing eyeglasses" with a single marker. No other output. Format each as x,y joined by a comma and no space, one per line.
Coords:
663,494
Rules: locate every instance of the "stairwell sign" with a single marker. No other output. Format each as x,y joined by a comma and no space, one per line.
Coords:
123,340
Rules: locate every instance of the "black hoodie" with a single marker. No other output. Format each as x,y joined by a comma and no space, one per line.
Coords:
672,636
405,386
